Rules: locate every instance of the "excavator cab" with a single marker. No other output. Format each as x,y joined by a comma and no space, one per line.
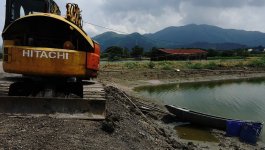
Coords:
56,58
18,8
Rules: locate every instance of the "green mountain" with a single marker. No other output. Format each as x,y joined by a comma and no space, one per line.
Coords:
211,34
189,36
108,39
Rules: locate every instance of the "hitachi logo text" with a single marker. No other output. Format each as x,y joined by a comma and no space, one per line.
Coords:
45,54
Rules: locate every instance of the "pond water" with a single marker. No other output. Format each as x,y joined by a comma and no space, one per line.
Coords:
240,99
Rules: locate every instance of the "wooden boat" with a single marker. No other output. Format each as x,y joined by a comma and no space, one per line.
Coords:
198,118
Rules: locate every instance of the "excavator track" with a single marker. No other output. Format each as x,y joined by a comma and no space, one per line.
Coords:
91,106
4,88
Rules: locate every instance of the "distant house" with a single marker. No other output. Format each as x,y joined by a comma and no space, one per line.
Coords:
179,54
250,50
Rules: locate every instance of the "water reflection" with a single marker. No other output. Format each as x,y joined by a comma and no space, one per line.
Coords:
197,85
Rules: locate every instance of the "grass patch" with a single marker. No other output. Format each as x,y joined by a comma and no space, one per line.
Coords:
225,58
260,62
131,65
166,65
151,65
196,65
211,65
171,65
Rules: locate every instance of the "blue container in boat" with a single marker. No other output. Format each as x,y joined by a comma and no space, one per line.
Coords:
233,127
250,132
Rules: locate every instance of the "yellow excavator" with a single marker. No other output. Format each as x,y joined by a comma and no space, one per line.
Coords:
56,59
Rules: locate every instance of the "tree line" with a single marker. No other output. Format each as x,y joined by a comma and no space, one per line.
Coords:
137,52
117,53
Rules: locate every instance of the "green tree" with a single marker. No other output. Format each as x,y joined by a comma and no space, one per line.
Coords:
126,52
104,55
114,52
212,53
137,52
154,52
242,53
228,53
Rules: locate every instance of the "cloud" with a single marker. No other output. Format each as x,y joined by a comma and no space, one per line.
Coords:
242,15
145,16
226,3
140,16
154,7
2,14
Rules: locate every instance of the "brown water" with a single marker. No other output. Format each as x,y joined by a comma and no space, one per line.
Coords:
190,132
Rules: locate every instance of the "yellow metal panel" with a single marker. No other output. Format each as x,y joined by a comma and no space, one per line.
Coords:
45,61
72,25
9,42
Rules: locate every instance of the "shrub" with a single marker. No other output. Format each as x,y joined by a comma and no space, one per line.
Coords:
131,65
257,62
210,65
194,65
167,67
151,65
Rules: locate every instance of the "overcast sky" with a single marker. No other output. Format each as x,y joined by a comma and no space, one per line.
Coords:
148,16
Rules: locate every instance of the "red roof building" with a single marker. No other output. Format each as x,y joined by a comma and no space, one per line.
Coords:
180,54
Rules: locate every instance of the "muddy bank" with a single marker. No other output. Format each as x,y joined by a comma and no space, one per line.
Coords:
125,128
161,125
164,124
128,79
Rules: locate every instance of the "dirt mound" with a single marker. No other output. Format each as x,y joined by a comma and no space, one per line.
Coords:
124,128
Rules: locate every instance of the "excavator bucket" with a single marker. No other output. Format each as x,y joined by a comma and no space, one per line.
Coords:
91,106
93,109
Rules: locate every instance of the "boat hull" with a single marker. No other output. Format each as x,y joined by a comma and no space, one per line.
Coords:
198,118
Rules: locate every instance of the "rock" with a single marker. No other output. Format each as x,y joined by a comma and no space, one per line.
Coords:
108,126
113,117
153,116
191,145
163,132
142,134
168,119
134,110
221,144
174,143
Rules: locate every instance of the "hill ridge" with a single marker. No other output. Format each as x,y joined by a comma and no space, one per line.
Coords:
187,36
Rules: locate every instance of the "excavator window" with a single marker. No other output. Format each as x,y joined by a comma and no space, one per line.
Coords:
22,12
13,8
